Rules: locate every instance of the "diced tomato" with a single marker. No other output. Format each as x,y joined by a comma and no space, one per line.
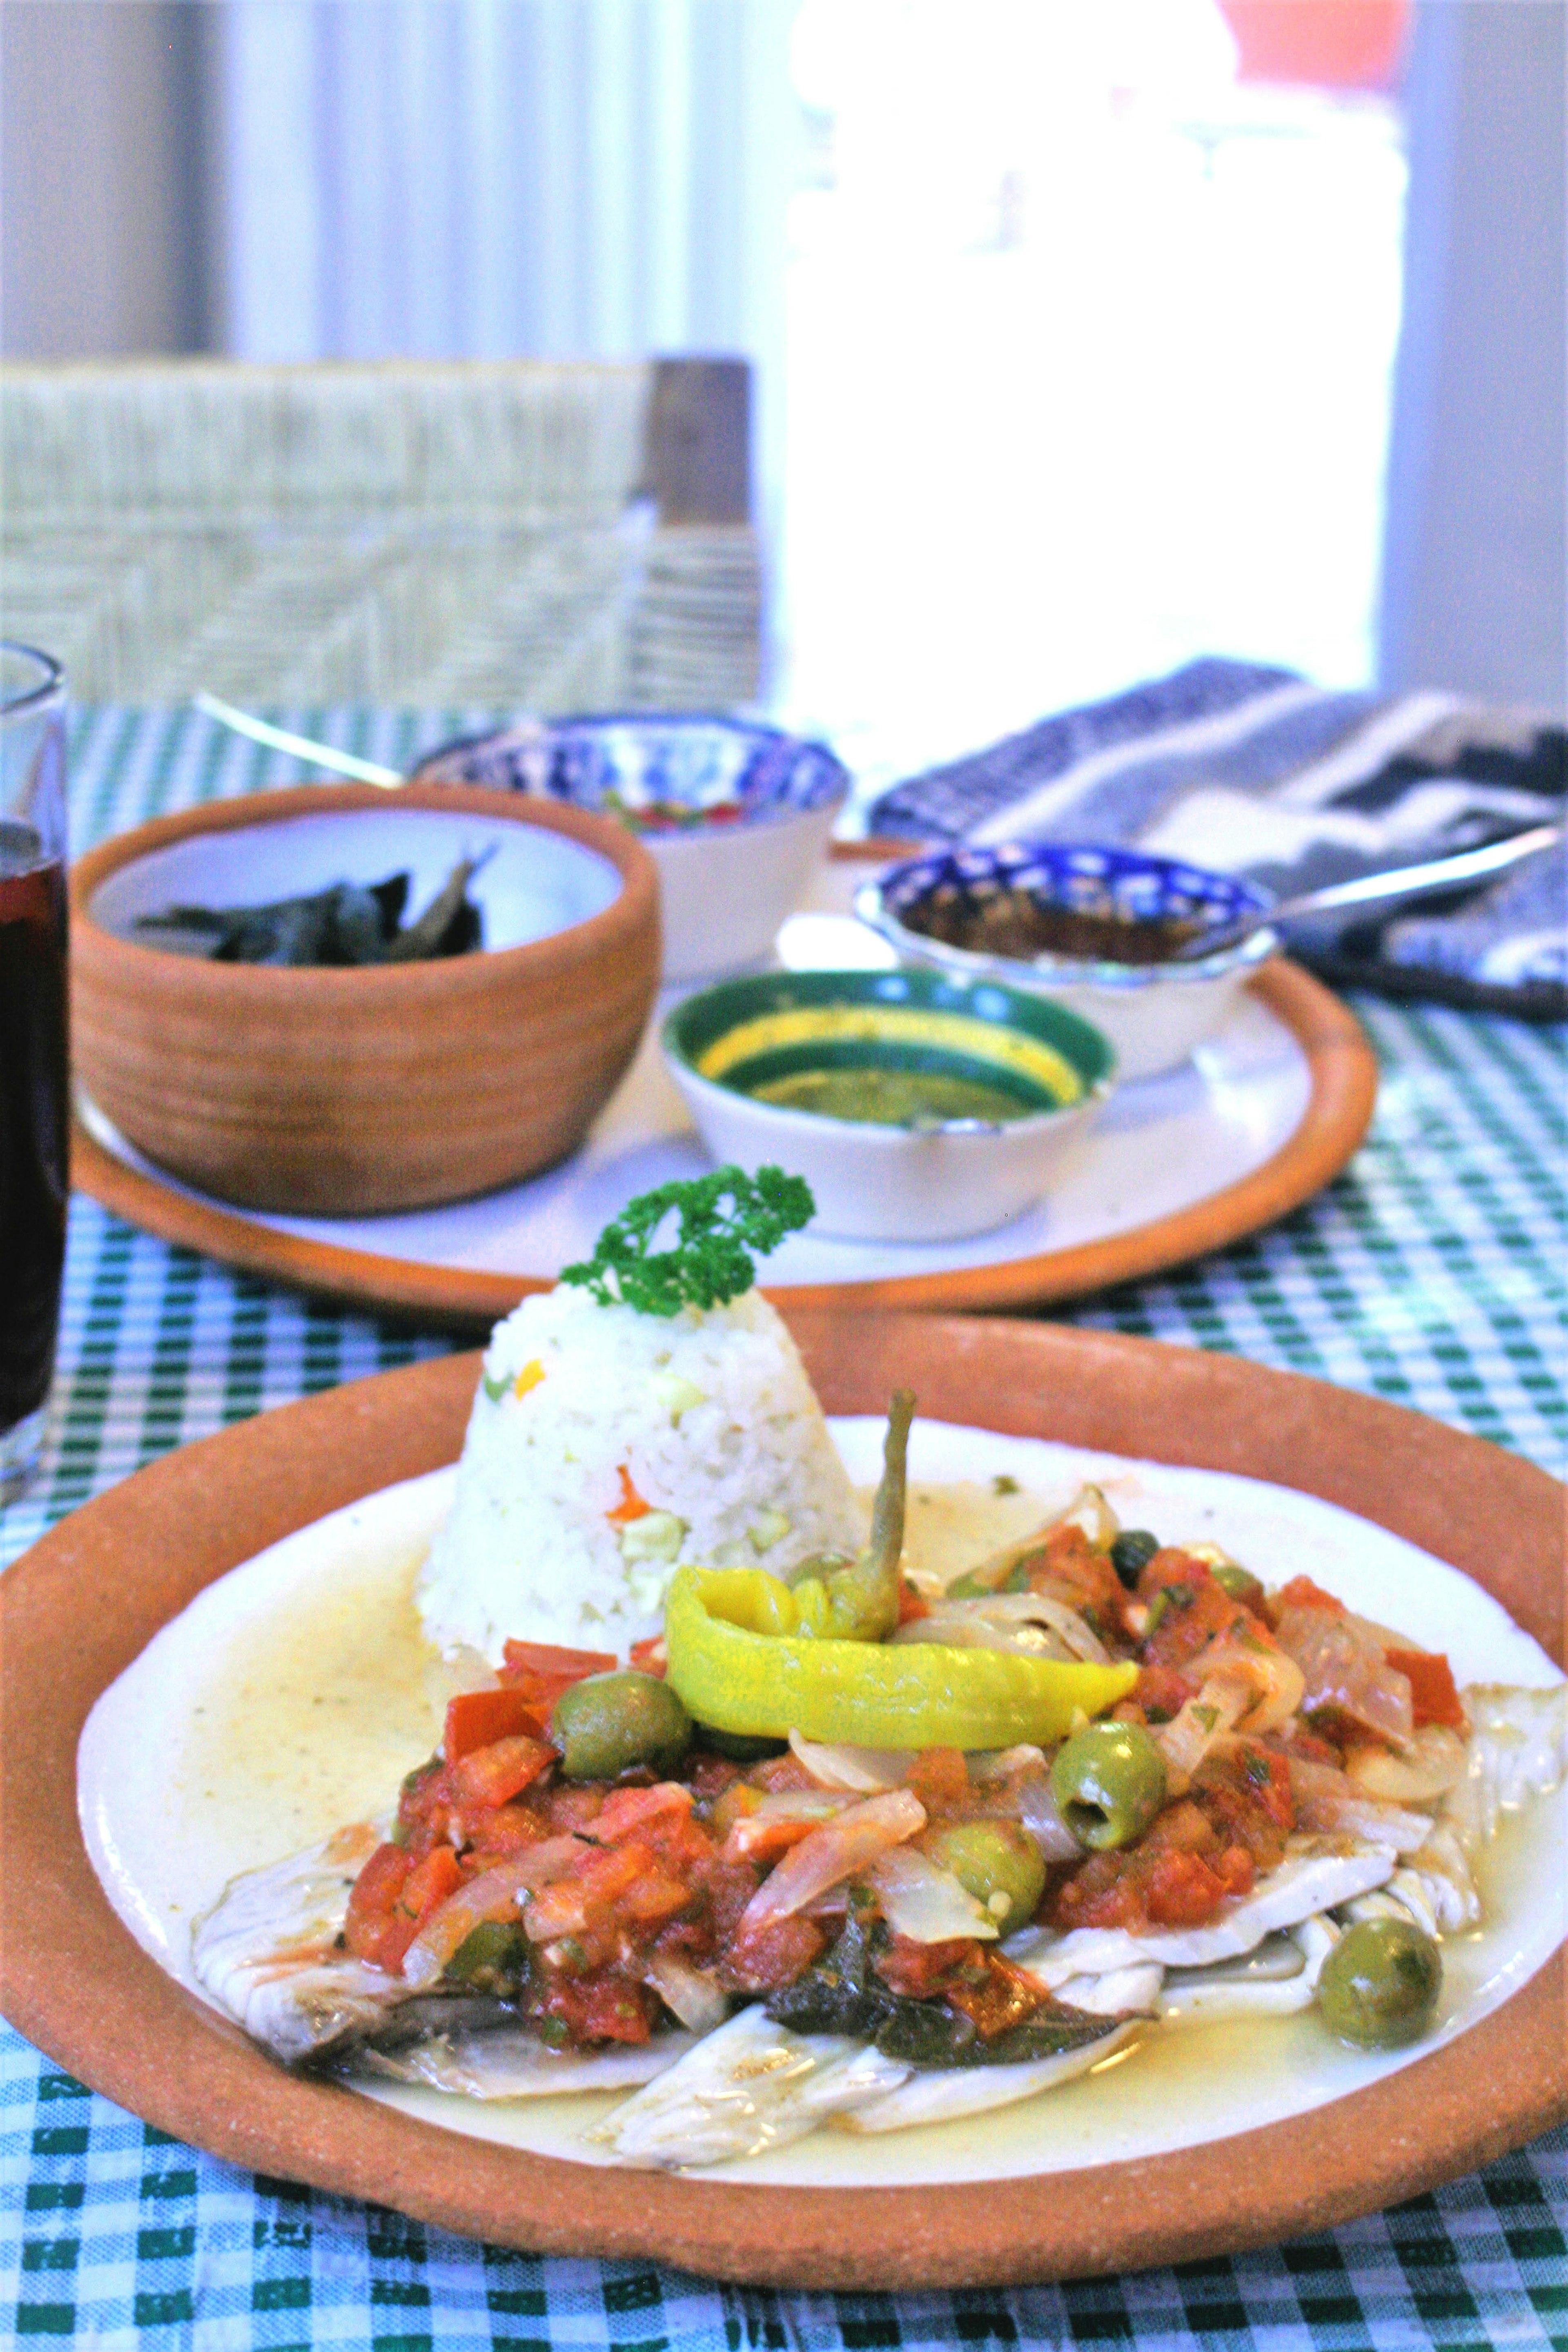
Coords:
501,1771
750,1840
476,1718
648,1657
911,1604
375,1890
920,1970
772,1956
1433,1697
1169,1565
997,1996
625,1810
553,1664
777,1773
631,1504
939,1777
1160,1692
497,1830
1189,1612
655,1898
1303,1593
602,2007
569,1809
428,1883
1182,1890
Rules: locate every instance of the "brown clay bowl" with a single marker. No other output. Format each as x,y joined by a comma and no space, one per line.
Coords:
351,1091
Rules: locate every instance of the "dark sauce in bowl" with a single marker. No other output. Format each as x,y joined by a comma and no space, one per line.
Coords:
1014,923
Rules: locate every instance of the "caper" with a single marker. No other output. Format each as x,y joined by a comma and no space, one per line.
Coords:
492,1957
1238,1582
1109,1781
1130,1553
997,1861
1380,1984
608,1723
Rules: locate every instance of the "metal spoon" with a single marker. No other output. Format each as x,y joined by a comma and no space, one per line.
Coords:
1425,881
278,739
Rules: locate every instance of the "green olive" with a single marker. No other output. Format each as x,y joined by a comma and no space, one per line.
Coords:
608,1723
1238,1582
1109,1781
1130,1553
1380,1984
997,1861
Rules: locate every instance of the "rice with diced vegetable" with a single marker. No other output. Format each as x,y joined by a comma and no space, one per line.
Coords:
604,1447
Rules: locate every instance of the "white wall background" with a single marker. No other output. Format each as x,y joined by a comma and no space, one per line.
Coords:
1474,562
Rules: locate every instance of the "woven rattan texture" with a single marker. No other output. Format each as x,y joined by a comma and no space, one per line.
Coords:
1431,1273
420,534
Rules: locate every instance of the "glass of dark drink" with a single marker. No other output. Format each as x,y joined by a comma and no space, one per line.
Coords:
34,1117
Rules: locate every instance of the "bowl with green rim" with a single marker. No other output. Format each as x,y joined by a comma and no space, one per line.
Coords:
918,1107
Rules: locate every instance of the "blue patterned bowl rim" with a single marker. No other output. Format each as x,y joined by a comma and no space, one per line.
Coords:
1095,877
696,759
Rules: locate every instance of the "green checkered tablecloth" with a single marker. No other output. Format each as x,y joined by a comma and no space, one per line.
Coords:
1431,1273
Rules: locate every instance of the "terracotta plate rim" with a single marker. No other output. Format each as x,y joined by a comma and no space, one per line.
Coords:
72,1980
1343,1088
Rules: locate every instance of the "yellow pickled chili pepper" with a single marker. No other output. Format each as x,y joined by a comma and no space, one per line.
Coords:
734,1666
749,1654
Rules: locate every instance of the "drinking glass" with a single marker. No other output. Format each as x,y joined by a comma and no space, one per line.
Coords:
34,1121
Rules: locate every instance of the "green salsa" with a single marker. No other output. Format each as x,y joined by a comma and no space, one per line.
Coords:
888,1097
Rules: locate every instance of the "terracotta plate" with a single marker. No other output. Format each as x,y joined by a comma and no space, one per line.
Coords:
86,1600
1196,1163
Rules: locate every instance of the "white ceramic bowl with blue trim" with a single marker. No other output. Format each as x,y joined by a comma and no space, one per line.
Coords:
735,1049
1155,1014
736,816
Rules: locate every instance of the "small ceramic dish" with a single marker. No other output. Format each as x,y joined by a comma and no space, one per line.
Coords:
736,816
349,1091
912,1178
1154,1013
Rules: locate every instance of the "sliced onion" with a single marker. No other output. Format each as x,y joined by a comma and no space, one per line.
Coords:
492,1896
864,1769
1186,1740
1343,1667
1090,1510
1041,1815
690,1993
1433,1763
837,1850
988,1764
1031,1623
1273,1677
924,1902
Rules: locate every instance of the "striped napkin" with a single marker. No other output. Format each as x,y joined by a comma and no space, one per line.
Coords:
1255,770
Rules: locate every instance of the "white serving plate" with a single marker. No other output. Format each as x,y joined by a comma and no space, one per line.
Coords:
171,1807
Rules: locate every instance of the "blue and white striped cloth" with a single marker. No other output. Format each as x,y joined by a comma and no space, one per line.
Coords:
1256,770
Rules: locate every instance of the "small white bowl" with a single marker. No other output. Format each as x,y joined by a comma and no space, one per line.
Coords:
1155,1015
756,809
932,1182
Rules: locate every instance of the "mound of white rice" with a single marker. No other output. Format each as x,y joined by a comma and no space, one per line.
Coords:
708,1417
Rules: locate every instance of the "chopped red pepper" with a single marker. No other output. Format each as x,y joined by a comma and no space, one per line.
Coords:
631,1504
1433,1697
1303,1593
549,1663
911,1604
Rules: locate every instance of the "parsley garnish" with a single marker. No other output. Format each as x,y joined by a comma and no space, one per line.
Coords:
723,1221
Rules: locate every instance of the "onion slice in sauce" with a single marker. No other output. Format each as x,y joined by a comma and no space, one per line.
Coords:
851,1841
